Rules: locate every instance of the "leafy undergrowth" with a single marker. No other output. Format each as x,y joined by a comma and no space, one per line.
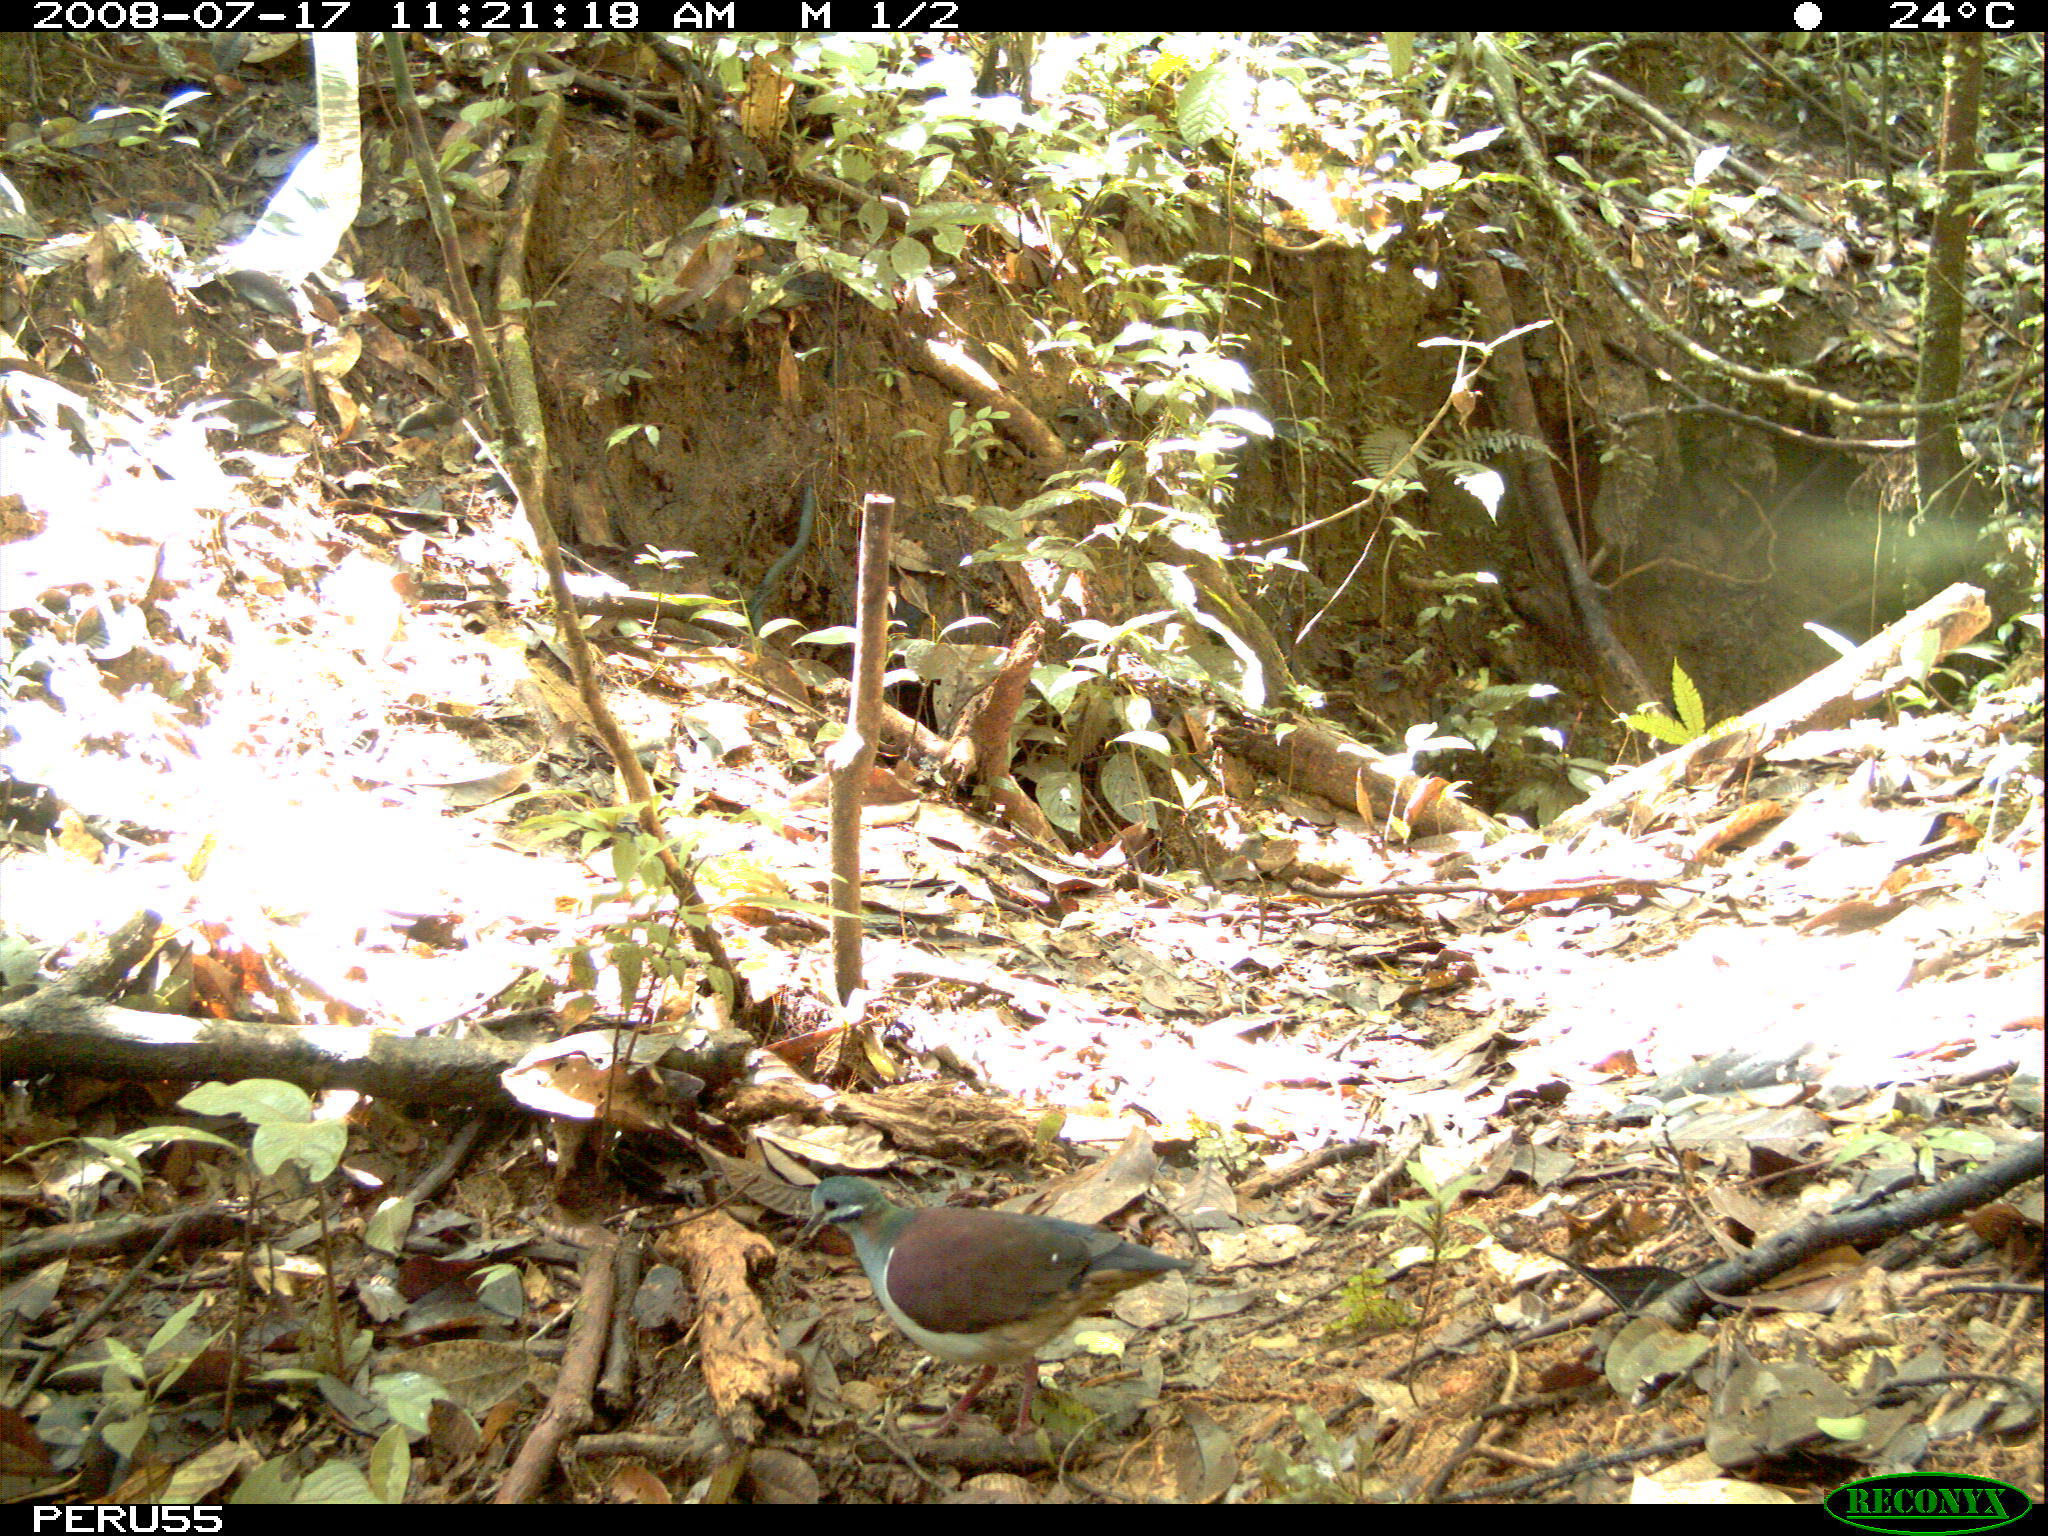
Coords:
309,825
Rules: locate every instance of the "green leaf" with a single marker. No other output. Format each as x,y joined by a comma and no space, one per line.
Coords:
908,259
123,1365
1920,653
1690,711
117,1157
1250,423
391,1466
409,1397
337,1483
1059,796
388,1224
317,1148
1659,727
1707,161
1122,783
1060,685
836,634
124,1435
932,175
259,1100
1203,110
151,1137
629,960
173,1326
498,1288
1151,741
271,1483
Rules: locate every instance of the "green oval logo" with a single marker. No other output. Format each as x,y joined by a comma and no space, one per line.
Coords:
1918,1502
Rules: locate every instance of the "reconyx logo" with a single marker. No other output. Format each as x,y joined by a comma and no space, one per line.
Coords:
1921,1502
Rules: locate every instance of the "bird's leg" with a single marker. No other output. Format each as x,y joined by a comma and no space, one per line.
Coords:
1024,1403
952,1418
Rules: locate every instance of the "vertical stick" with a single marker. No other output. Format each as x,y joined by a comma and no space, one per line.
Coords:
851,758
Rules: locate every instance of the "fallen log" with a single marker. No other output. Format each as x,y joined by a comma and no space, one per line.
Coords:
1897,654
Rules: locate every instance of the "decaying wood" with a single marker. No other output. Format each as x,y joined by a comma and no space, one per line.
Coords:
568,1408
1831,697
939,1121
110,961
119,1235
52,1031
615,1386
1316,760
913,739
745,1369
981,745
949,363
